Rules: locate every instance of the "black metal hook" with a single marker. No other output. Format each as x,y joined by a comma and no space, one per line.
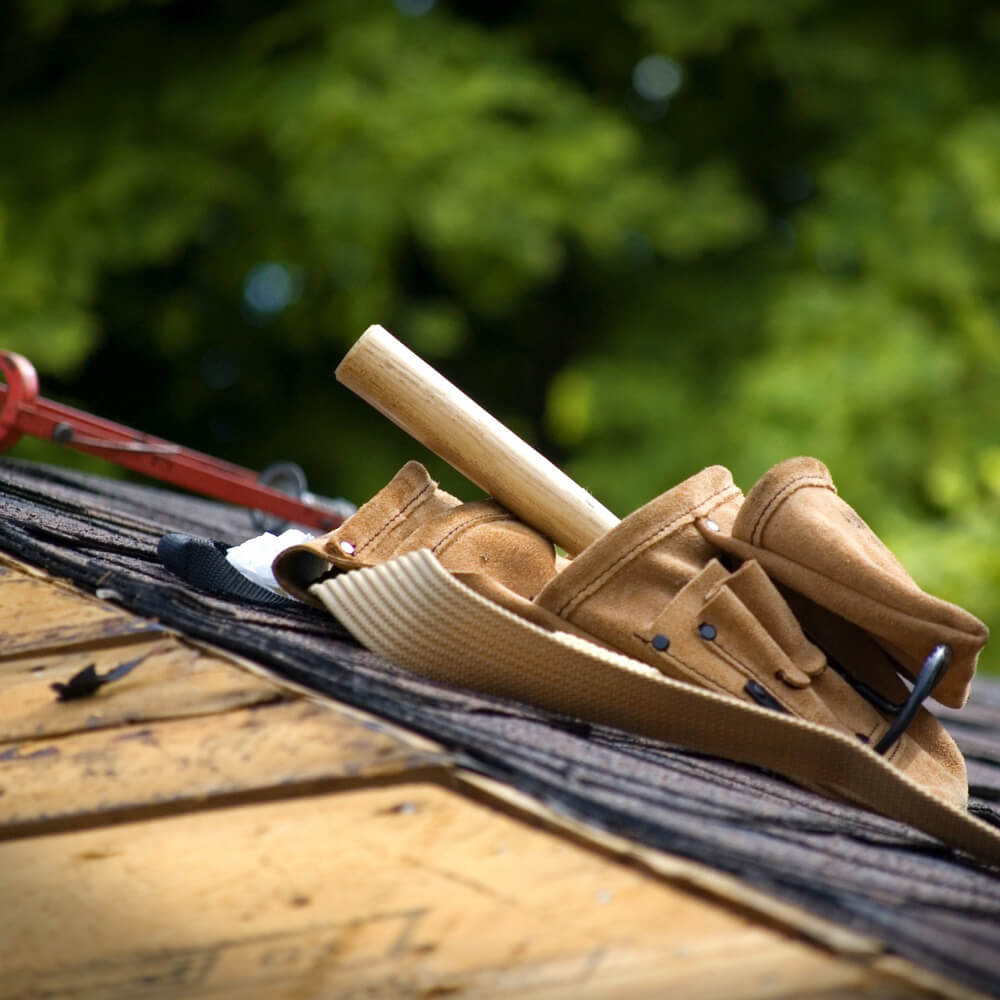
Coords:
931,672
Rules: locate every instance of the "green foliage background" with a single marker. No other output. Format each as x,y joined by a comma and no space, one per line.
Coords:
789,245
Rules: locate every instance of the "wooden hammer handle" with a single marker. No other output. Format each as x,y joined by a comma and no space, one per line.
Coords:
385,373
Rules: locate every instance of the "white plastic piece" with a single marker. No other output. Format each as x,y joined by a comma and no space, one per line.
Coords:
253,558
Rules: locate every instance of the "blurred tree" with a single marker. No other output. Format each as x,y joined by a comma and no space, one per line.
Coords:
648,235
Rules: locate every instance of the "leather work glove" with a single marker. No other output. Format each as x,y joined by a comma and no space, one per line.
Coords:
786,599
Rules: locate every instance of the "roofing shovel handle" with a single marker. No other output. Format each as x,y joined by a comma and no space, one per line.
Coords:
399,384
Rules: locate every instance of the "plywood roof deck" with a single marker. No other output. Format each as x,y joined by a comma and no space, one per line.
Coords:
197,829
204,827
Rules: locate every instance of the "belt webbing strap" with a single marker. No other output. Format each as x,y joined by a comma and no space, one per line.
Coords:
412,611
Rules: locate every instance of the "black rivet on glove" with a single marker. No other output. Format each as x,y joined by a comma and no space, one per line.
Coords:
706,631
661,642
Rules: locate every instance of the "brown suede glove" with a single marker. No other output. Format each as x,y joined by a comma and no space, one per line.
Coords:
807,538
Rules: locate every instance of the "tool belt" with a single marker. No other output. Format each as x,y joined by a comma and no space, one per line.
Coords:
774,628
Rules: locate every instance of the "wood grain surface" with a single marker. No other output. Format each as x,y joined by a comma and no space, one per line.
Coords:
198,830
407,891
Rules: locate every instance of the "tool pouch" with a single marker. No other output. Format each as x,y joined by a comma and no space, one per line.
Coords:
412,513
675,586
654,587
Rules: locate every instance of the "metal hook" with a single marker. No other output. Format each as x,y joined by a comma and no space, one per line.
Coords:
931,672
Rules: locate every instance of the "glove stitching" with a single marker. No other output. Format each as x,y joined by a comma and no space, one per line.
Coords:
471,522
780,497
398,516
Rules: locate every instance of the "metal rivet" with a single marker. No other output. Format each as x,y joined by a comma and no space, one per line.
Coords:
347,548
661,642
706,631
710,524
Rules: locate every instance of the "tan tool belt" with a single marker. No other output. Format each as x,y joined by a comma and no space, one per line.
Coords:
772,629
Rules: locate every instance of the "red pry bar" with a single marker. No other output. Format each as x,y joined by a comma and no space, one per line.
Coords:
22,411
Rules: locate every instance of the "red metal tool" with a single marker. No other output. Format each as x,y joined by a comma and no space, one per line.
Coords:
22,411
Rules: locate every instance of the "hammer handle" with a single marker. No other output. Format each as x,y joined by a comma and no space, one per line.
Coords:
407,390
